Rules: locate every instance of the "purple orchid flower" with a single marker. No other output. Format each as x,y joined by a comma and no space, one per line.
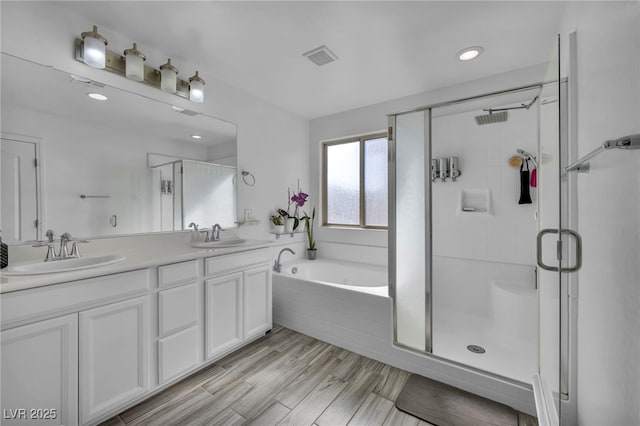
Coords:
299,198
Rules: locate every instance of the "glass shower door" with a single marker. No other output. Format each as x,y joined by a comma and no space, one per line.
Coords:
557,247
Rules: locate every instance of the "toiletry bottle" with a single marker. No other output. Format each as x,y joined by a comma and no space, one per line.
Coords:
4,254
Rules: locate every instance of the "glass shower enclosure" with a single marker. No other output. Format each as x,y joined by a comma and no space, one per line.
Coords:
474,206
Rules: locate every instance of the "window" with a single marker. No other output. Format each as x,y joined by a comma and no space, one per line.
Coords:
354,182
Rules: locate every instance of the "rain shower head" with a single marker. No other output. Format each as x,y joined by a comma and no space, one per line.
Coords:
492,117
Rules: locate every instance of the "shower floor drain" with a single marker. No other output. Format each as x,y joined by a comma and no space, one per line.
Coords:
476,349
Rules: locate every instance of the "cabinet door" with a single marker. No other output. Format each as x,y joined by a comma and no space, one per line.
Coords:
223,313
40,373
114,356
257,301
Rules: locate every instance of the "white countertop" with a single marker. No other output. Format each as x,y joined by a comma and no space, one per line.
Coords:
141,252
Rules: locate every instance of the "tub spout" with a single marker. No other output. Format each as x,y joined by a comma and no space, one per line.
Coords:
277,265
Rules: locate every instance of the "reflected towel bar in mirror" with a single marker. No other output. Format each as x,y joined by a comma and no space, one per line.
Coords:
83,196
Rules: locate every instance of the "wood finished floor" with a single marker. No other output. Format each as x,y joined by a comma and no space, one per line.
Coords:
284,378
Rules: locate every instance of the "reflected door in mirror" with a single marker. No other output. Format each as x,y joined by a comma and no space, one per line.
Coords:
19,191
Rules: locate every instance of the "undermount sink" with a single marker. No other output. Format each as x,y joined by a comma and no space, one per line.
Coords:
64,265
220,243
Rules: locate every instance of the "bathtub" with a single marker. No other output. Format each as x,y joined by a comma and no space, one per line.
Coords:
359,277
347,304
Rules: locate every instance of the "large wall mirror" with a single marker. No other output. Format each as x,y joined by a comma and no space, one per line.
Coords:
125,165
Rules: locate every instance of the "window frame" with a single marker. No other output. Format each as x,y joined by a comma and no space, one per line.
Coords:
361,139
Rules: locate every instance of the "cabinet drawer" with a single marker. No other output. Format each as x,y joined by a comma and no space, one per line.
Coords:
233,262
178,273
177,354
20,307
177,308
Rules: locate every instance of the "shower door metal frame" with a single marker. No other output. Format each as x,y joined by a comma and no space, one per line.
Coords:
391,119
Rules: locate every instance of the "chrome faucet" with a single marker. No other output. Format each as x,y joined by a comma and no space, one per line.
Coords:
277,265
215,232
63,252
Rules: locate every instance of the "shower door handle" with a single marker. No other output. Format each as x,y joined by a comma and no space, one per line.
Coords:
546,267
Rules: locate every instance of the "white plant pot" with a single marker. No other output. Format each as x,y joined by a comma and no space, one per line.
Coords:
278,229
289,223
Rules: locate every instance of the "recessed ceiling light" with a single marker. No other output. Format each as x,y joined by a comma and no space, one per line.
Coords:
97,96
470,53
196,136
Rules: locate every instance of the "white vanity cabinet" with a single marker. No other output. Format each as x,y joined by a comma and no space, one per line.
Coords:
40,373
79,352
237,300
179,319
114,356
257,301
223,309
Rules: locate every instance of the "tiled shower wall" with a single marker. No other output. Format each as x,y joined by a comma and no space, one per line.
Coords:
477,253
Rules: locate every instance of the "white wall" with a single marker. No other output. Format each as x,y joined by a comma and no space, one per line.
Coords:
372,119
272,143
608,106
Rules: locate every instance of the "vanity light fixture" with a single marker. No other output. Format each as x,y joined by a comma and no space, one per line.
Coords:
95,47
470,53
97,96
196,89
91,49
169,77
134,63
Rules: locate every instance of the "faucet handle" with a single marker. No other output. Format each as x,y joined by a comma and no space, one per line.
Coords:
43,244
66,236
50,234
50,253
74,249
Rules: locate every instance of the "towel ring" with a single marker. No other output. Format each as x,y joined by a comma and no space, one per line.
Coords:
252,178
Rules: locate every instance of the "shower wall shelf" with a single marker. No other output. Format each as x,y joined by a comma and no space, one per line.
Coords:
626,142
474,201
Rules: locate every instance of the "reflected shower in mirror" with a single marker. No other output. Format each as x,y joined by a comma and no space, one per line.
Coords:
194,192
96,174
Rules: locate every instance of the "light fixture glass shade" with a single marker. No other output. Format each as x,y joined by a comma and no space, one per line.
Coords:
134,63
95,47
168,77
196,89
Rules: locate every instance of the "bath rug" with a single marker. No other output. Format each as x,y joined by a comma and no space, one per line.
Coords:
444,405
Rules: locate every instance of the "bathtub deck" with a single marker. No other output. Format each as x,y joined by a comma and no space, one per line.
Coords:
284,378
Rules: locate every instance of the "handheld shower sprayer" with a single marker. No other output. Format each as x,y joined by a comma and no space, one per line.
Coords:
528,156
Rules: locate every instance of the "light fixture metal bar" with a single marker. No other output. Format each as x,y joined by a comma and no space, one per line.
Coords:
115,63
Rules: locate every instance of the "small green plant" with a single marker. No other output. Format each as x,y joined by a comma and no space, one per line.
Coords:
308,227
276,219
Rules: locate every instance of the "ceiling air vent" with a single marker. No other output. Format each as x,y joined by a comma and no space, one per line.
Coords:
321,56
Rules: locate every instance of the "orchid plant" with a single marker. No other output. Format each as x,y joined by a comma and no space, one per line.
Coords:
294,201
